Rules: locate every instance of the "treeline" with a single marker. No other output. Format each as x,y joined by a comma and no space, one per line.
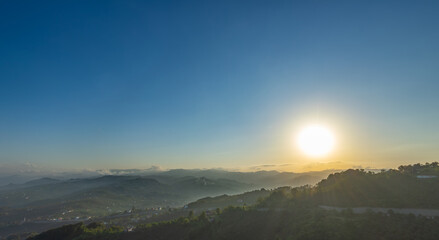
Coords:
406,187
244,199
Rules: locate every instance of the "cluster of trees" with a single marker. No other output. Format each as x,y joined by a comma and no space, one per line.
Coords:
80,231
420,169
358,188
222,201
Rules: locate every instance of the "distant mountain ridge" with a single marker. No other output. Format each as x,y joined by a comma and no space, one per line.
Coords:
260,178
103,195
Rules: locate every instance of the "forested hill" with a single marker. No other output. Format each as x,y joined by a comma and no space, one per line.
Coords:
241,223
412,186
294,213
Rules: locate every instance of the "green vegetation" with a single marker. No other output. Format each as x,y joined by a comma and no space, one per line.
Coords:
103,196
400,188
242,223
47,203
294,213
80,231
244,199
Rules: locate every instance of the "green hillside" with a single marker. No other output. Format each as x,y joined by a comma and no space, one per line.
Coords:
82,198
412,186
244,199
294,213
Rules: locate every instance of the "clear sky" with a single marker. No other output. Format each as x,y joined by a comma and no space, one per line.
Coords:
126,84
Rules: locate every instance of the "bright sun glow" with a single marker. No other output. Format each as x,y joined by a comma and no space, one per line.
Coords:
316,141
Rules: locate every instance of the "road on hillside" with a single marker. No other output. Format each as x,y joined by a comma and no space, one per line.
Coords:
415,211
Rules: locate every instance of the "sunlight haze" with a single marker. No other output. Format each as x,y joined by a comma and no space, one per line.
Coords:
242,119
206,85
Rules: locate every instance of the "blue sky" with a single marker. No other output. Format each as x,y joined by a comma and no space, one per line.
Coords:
122,84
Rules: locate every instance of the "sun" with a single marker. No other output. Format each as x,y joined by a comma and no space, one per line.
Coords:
316,140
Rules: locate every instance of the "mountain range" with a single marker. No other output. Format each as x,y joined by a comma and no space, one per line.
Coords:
47,199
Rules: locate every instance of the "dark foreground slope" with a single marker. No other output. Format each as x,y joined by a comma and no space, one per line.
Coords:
239,223
294,213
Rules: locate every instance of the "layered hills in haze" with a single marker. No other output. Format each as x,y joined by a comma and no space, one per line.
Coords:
297,213
49,199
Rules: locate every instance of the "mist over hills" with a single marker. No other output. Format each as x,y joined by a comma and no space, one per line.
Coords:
266,179
300,212
14,175
108,194
259,179
50,199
